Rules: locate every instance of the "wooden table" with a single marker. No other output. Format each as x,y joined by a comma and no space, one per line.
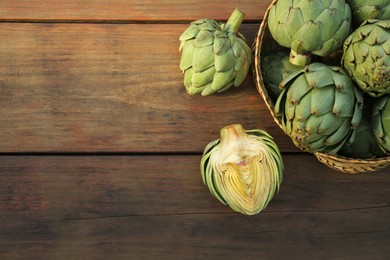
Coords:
100,146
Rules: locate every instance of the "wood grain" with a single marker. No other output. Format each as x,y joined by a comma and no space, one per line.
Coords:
103,76
106,87
157,206
128,10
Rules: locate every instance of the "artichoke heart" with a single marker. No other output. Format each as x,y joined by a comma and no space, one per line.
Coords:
242,169
215,55
309,27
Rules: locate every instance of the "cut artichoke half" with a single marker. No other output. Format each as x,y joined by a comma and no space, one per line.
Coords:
243,169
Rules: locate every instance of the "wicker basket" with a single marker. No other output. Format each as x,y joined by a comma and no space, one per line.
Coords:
339,163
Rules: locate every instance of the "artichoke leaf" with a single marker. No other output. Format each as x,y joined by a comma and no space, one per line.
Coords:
203,58
226,88
225,61
204,38
190,33
188,77
187,57
222,78
322,100
339,134
203,78
221,45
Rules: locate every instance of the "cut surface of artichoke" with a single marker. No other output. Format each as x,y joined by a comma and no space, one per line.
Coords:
242,169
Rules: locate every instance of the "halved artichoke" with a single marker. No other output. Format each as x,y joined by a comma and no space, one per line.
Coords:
242,169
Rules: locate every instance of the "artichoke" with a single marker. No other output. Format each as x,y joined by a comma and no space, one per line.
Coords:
369,9
242,169
319,108
309,27
275,67
364,146
366,57
380,122
214,55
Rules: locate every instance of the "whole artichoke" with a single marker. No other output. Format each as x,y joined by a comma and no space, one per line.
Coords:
275,67
242,169
309,27
380,122
364,146
214,55
319,108
366,57
369,9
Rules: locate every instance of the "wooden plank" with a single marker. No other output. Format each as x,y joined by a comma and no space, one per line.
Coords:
128,10
105,87
157,206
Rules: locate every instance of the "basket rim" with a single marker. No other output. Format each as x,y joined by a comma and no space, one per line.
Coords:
257,45
377,162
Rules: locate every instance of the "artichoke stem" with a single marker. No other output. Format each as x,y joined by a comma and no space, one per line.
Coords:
235,20
232,133
299,59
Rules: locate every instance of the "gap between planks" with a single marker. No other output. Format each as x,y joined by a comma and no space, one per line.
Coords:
104,21
121,153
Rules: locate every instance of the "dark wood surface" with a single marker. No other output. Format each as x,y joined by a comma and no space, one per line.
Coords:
100,146
128,10
111,87
157,206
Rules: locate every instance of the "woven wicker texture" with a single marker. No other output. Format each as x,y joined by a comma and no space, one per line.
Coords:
341,164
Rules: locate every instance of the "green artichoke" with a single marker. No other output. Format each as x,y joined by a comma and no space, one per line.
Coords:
364,146
380,122
214,55
309,27
366,57
242,169
369,9
275,67
319,108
